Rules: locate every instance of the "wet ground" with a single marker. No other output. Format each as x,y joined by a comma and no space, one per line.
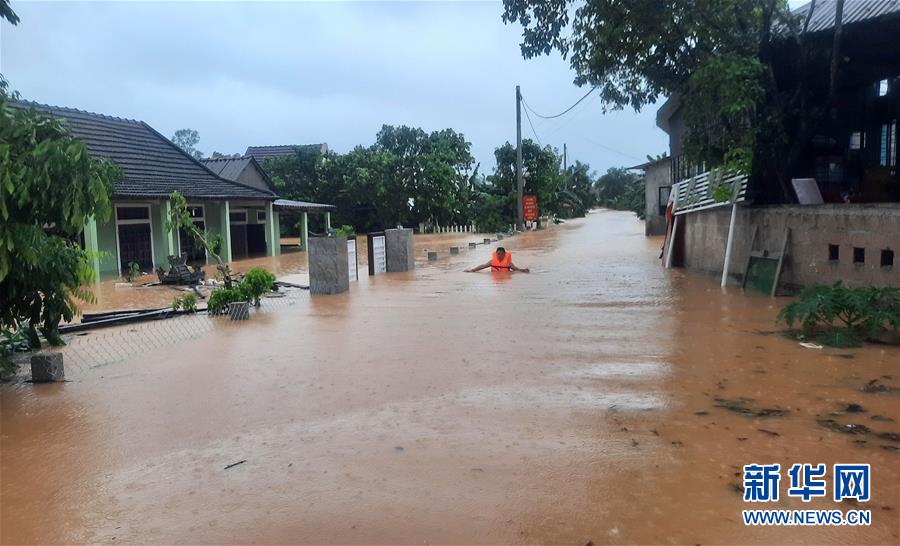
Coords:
596,399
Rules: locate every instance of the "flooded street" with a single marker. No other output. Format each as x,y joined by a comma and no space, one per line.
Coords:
595,400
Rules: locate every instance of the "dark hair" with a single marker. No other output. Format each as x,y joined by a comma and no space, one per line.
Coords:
499,248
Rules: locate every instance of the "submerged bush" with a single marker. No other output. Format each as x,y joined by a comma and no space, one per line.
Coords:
221,298
846,315
255,283
187,302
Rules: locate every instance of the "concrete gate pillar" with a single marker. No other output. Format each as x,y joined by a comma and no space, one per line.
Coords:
329,270
400,254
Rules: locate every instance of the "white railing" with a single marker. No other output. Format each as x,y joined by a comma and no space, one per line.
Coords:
694,194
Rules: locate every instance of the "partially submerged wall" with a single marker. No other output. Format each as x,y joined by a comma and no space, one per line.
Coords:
874,228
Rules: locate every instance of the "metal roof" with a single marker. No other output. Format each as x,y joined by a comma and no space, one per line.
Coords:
855,11
694,194
152,166
301,206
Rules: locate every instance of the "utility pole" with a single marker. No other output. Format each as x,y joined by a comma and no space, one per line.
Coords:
565,166
520,180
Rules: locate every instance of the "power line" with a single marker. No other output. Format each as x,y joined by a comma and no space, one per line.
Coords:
613,150
564,112
532,127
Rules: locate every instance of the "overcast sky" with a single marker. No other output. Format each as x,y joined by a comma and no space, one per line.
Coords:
291,73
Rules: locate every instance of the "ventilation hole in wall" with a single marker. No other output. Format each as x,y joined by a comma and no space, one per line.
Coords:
859,255
834,253
887,258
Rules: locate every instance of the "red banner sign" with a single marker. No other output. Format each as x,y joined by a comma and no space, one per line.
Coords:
529,204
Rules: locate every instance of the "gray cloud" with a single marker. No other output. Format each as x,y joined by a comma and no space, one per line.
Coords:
278,73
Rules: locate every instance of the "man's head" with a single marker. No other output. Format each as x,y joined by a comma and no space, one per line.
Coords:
501,252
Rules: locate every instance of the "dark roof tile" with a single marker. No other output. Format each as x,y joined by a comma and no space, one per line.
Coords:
153,167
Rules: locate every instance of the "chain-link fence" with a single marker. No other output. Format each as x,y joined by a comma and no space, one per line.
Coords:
103,346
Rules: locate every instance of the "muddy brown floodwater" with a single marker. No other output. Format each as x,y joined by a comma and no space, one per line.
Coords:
291,266
574,404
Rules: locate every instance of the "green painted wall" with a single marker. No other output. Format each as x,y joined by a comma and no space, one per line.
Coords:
106,236
164,242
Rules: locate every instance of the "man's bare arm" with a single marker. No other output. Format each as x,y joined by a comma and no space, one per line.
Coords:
513,267
479,267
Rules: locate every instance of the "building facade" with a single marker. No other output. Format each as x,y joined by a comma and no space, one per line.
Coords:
848,228
241,216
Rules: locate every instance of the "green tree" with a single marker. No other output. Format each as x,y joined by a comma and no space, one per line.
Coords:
719,55
494,199
620,189
49,188
407,176
187,140
579,189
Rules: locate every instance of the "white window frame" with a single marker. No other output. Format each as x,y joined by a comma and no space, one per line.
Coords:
148,220
263,221
237,222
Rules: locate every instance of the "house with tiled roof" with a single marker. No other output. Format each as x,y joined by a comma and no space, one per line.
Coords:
248,171
152,168
262,153
245,170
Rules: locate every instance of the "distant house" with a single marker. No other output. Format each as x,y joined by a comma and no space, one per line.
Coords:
657,188
262,153
152,168
851,233
245,170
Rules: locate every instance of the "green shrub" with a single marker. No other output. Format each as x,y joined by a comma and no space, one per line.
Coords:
134,271
344,231
187,302
845,314
256,282
220,298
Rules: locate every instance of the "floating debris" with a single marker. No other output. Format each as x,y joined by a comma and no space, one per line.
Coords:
232,465
889,436
881,418
893,449
851,428
769,432
739,405
854,408
876,387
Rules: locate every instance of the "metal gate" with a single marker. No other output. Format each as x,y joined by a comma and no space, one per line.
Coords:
351,259
377,254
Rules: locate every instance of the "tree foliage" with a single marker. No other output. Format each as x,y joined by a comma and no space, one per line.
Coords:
720,56
49,188
409,176
6,12
187,140
620,189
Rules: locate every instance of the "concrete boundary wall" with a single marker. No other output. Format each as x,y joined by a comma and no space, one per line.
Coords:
873,227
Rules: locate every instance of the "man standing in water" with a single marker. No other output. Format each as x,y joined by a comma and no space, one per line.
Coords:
501,260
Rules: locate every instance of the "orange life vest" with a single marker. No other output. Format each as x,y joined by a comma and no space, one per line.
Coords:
501,265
